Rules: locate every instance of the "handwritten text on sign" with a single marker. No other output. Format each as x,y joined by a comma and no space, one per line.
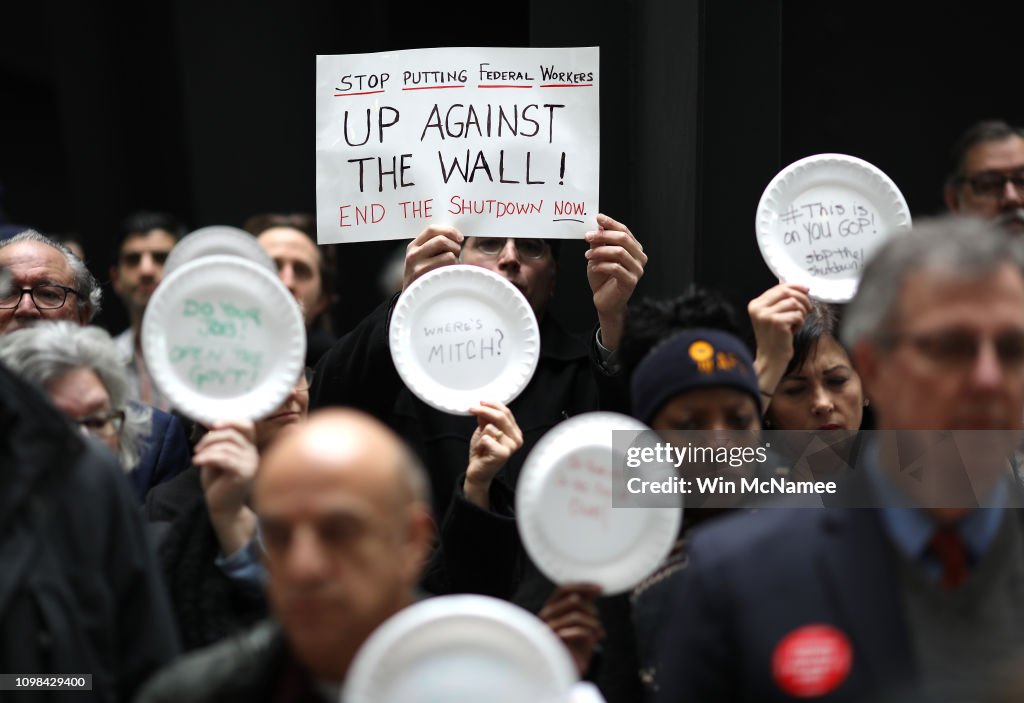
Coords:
218,348
463,344
577,506
474,342
497,142
831,234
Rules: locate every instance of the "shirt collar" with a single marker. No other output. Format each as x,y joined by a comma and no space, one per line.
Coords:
911,528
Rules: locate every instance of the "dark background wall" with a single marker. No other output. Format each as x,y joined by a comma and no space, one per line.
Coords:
206,109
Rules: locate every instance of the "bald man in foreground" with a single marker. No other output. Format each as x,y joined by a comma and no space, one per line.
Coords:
346,525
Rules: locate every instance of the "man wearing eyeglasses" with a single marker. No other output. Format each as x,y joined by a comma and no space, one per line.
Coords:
573,375
46,282
987,176
910,587
146,241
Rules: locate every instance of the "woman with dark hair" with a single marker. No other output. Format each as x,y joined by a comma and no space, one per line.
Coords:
653,320
806,378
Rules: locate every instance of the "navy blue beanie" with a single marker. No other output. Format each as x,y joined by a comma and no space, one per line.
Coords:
696,358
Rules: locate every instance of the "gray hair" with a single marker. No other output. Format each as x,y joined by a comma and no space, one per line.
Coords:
46,351
954,246
90,295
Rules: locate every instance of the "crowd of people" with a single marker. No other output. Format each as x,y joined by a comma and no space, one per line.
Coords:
249,560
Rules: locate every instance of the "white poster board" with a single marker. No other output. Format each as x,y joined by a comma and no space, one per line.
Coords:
493,141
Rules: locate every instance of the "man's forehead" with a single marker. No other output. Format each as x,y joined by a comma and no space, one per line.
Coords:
35,260
345,467
995,155
153,239
290,240
319,499
937,297
314,503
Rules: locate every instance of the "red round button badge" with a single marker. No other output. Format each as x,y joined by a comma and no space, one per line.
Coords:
812,661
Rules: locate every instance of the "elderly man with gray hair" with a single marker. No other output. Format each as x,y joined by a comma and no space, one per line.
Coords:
46,282
903,587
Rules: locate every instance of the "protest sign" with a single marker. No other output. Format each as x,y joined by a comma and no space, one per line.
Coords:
493,141
224,339
822,217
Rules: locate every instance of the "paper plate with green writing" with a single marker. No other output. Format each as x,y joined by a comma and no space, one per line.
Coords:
821,218
461,334
224,339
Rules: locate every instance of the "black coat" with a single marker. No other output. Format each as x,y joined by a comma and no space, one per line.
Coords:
208,606
358,372
80,592
251,667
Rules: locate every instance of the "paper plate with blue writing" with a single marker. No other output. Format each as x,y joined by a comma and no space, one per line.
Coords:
218,240
821,218
587,513
462,334
461,649
224,339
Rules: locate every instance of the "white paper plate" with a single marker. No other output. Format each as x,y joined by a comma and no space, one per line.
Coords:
224,339
218,240
461,649
461,334
821,218
564,505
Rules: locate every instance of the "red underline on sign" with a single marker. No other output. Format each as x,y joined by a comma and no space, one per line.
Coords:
568,85
504,86
434,87
367,92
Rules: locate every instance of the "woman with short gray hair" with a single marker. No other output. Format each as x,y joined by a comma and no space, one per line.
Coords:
81,372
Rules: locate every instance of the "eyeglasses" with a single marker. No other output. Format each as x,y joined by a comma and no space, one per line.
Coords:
46,296
959,350
527,248
992,184
103,426
131,259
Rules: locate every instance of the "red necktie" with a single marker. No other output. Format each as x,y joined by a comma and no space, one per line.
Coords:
950,550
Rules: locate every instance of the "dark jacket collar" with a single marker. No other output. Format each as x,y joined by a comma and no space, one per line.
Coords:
557,343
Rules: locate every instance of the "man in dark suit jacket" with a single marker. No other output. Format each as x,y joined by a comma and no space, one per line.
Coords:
346,525
906,588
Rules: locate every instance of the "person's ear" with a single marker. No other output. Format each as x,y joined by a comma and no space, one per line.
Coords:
419,540
951,197
866,360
